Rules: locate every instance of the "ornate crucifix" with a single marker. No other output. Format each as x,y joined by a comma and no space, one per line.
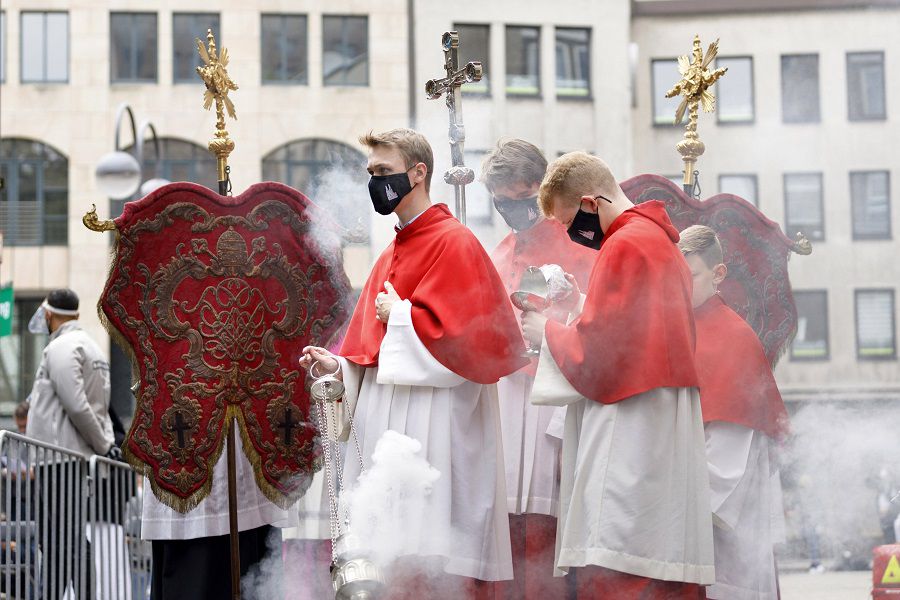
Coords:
214,74
696,79
458,175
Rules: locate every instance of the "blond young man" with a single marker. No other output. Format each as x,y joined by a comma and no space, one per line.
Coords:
432,333
633,520
744,418
512,173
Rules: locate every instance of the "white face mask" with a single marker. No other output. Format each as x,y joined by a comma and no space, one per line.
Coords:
38,323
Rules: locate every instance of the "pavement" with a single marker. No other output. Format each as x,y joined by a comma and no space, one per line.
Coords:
830,585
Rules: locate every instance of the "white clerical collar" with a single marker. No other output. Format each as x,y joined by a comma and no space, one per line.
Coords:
400,226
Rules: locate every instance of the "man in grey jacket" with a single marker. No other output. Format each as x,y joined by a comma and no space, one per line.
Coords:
70,409
70,397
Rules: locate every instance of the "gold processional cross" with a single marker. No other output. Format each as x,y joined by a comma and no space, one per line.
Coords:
214,74
696,79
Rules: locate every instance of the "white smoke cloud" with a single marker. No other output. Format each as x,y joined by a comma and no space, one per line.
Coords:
834,459
388,507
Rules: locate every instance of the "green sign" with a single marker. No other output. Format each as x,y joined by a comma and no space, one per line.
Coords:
6,311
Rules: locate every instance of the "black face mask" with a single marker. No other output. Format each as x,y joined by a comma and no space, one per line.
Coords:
519,214
387,191
585,229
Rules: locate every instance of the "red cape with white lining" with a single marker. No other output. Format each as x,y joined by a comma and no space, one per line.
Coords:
736,381
636,332
460,309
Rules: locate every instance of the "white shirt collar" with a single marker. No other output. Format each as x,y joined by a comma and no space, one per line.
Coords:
400,226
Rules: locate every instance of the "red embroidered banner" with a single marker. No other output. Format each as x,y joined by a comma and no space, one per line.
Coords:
756,252
216,297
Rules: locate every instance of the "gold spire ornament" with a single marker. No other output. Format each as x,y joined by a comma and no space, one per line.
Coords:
214,74
696,79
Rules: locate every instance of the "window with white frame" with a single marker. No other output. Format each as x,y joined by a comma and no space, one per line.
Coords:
875,339
803,205
523,61
663,75
800,88
870,197
734,92
345,50
44,47
34,201
865,86
743,186
186,28
475,45
283,49
133,47
811,341
573,62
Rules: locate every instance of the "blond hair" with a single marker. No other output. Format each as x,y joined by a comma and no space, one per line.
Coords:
512,162
702,241
411,144
572,176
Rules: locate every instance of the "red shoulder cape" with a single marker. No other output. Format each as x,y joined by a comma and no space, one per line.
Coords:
636,332
545,243
460,310
736,382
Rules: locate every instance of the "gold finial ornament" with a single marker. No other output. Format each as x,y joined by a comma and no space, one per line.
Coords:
802,245
696,79
93,222
214,74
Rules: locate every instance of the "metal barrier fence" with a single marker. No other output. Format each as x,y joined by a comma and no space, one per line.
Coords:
69,525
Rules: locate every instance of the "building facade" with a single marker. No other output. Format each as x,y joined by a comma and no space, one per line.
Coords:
312,78
806,128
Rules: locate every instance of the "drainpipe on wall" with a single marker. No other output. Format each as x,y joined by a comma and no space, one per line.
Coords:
411,51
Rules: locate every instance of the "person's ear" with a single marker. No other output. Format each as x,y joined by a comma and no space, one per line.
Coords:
720,271
591,203
419,173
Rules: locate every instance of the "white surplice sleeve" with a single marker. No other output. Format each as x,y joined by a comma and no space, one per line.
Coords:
557,425
404,360
551,388
728,454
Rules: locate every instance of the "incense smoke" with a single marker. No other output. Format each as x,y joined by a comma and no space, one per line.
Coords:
388,507
835,454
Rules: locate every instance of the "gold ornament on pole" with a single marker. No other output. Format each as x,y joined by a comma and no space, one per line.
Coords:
696,79
94,223
214,74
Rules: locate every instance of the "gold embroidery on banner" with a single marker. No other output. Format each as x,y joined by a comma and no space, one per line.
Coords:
231,363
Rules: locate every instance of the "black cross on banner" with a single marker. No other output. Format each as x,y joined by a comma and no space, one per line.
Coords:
288,424
179,427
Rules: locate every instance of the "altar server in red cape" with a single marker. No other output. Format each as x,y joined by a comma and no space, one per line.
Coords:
744,418
634,519
512,173
432,333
